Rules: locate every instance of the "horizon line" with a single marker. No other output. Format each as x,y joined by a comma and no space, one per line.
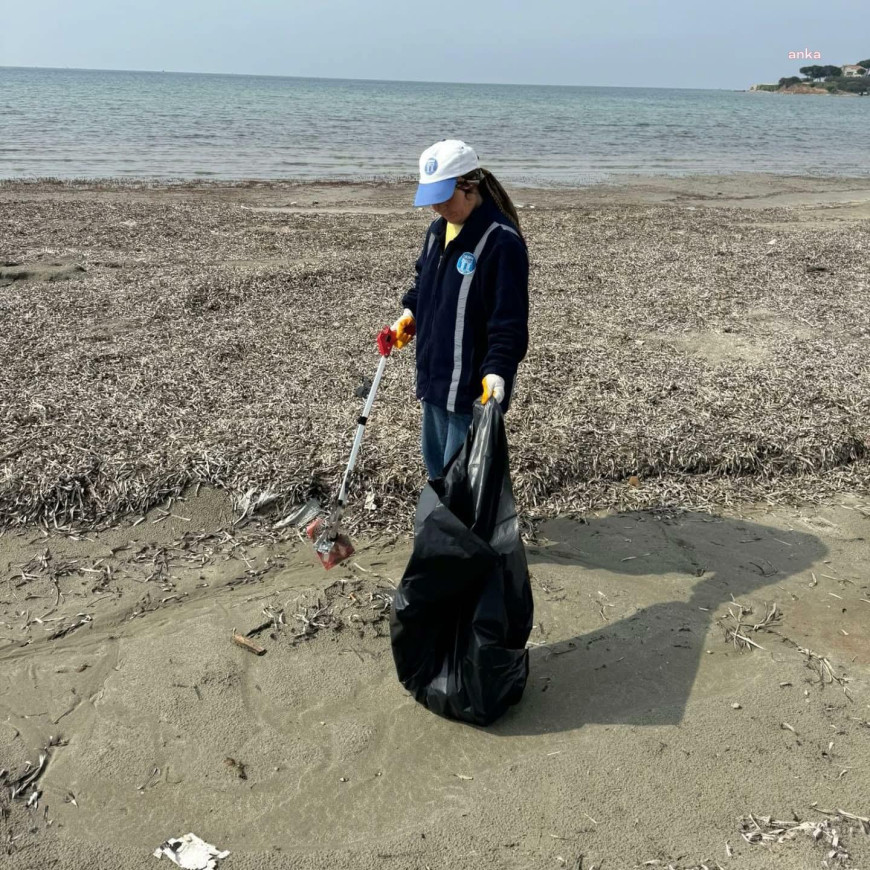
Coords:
344,79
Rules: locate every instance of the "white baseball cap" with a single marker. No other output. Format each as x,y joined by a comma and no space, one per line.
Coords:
440,166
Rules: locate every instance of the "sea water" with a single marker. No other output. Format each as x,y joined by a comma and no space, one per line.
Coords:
99,124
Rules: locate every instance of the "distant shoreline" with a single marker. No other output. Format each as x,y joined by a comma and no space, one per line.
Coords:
847,196
664,181
800,91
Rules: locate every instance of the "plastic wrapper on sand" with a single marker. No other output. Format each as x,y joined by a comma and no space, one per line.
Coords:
191,853
463,611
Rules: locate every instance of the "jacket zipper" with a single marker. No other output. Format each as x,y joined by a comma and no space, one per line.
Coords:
436,292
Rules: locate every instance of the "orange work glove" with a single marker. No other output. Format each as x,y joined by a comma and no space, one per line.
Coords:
404,329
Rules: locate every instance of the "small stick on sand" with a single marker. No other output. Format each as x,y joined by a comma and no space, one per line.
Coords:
249,645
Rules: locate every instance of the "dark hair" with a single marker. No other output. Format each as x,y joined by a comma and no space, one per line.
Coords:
491,189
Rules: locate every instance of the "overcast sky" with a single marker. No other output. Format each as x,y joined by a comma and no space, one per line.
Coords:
679,43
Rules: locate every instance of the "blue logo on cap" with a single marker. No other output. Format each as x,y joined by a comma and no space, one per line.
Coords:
466,264
431,166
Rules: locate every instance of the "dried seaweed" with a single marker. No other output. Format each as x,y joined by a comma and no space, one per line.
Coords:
213,344
738,632
828,832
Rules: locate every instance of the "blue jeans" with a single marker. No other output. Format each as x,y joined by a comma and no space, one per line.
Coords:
443,434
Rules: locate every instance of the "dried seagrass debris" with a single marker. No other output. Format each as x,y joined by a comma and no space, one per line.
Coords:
223,347
825,671
314,617
356,604
821,666
737,630
827,832
27,779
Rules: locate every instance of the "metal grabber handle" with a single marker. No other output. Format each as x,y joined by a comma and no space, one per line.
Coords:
360,431
386,343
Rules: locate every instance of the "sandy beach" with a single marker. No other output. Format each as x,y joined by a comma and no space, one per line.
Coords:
689,453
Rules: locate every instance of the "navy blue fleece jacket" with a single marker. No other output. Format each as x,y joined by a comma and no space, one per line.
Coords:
471,304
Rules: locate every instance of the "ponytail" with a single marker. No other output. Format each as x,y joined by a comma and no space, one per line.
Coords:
491,189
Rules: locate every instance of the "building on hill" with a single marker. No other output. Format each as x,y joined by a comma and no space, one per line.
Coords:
852,69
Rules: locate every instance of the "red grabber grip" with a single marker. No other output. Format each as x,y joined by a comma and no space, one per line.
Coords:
386,341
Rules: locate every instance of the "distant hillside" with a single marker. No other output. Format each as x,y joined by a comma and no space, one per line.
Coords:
849,79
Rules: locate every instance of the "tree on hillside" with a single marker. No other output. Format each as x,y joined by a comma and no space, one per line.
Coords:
813,72
857,85
790,80
833,71
865,63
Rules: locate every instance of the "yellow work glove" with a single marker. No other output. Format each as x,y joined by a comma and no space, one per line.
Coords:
404,329
493,387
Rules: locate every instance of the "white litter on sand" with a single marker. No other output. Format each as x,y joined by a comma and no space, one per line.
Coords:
191,853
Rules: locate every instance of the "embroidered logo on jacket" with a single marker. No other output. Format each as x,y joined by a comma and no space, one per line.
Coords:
466,264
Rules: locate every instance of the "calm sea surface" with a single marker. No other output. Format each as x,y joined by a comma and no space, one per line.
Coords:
89,124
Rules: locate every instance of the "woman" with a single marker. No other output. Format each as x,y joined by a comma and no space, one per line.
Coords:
469,304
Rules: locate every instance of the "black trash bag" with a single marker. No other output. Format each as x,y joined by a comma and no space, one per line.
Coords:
463,611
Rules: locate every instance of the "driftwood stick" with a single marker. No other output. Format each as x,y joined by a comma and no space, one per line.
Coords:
249,645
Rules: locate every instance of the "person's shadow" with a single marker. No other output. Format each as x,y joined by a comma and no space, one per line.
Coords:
640,670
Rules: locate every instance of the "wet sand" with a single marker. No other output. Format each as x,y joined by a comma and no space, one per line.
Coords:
627,746
645,735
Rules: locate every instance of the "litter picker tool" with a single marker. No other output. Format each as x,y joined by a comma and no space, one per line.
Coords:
330,543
